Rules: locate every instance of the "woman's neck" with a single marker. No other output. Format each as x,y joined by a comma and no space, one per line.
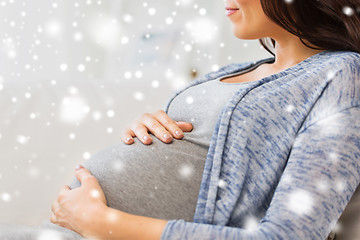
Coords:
289,51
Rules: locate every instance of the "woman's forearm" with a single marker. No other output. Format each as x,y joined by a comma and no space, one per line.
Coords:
116,225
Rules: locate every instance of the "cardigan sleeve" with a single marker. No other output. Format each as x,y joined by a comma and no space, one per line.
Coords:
321,174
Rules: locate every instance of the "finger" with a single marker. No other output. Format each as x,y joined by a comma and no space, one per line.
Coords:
53,218
127,136
185,126
141,133
169,124
62,192
158,130
85,177
65,188
54,206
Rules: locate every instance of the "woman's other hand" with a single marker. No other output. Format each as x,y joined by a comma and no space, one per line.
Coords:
75,209
159,124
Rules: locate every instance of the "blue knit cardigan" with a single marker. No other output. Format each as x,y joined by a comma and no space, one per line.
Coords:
284,157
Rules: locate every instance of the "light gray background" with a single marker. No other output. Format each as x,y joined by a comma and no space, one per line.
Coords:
65,90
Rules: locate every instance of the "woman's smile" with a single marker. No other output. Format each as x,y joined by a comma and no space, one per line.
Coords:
229,11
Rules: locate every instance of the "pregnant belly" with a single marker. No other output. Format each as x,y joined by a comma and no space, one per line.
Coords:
158,180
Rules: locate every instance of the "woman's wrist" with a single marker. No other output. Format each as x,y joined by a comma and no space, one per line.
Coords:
108,223
97,223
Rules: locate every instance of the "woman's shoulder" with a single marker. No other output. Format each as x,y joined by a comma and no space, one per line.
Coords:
339,72
340,60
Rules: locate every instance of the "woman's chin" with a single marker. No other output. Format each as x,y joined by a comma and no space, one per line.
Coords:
244,36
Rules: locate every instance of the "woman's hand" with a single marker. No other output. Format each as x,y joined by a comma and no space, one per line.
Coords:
84,210
76,209
159,124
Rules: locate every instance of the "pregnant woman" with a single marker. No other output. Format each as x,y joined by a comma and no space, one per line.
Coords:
261,150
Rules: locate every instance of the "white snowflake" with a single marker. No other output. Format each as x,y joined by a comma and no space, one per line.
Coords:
222,184
290,108
112,217
155,84
94,193
215,67
81,68
63,67
300,202
251,223
348,11
72,136
186,171
49,234
340,185
124,40
6,197
53,28
331,74
110,113
72,109
188,48
152,11
169,20
128,18
138,95
189,100
86,155
97,115
118,165
22,139
202,11
322,186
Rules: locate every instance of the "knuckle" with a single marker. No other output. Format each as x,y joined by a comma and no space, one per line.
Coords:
90,178
146,115
125,131
168,122
160,111
153,125
53,219
137,127
61,196
57,213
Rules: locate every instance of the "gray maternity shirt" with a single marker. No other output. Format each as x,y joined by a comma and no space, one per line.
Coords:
163,180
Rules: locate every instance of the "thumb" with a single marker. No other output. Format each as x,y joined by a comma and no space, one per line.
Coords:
82,174
185,126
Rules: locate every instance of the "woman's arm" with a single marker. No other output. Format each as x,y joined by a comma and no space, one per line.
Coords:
322,172
114,224
84,210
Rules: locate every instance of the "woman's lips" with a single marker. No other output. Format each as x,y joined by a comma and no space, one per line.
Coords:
230,11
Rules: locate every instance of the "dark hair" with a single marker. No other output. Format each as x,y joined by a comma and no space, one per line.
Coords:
325,24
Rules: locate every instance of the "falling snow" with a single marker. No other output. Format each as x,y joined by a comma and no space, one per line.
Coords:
6,197
186,171
49,234
73,74
300,202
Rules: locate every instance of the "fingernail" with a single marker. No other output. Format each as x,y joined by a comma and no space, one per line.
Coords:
145,138
166,136
78,167
178,133
128,139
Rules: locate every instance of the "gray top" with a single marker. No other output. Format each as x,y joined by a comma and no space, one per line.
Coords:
201,105
164,179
